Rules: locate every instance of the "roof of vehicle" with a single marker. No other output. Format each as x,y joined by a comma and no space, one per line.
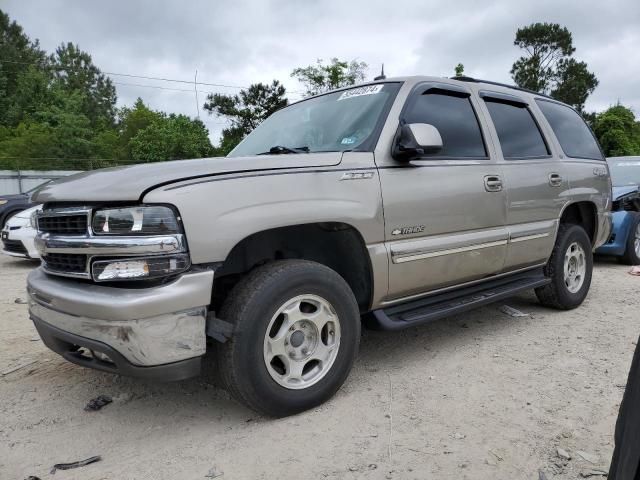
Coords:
466,82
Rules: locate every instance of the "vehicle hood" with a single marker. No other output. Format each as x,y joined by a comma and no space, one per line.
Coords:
623,191
12,198
130,183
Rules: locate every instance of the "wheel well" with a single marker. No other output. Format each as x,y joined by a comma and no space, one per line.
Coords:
337,245
8,215
584,214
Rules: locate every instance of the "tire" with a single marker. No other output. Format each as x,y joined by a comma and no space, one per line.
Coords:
566,291
632,251
275,384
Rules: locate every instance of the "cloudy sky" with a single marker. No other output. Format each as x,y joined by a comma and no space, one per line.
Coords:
239,42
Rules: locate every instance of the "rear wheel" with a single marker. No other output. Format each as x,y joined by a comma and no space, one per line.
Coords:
296,336
570,268
632,251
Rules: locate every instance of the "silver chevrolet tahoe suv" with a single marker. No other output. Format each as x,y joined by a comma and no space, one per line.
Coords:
390,204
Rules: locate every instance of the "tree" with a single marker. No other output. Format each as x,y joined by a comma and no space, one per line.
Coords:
322,78
459,70
230,138
58,111
574,83
18,53
57,129
618,131
32,92
132,120
246,110
172,137
75,71
548,66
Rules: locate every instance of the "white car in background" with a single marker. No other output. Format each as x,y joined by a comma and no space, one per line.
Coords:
19,233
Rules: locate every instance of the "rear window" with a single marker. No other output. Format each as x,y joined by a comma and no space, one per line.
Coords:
518,132
573,134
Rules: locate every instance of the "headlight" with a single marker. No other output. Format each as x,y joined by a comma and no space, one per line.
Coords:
139,268
33,219
152,220
2,202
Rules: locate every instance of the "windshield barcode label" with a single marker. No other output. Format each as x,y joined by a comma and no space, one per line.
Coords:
358,92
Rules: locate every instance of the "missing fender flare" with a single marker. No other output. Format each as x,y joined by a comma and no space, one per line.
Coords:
218,329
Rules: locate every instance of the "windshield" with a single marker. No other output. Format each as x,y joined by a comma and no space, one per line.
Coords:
334,122
624,171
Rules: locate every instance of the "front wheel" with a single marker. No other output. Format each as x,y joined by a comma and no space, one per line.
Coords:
570,268
296,336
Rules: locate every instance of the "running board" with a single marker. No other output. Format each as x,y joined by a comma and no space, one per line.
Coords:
433,308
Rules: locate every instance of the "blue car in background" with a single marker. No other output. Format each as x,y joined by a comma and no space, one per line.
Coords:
625,237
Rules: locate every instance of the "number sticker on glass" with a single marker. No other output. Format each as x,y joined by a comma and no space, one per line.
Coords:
358,92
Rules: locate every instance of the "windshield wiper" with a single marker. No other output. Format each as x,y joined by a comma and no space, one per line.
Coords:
279,150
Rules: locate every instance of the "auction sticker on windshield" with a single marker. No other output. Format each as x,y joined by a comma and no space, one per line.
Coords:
358,92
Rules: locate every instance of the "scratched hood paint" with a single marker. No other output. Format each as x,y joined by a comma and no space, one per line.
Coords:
130,182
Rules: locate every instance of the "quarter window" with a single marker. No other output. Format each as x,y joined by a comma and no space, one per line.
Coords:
454,118
518,132
573,134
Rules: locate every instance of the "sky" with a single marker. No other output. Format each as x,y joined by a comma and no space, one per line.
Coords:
242,42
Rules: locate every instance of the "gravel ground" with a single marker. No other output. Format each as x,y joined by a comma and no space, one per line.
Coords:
480,396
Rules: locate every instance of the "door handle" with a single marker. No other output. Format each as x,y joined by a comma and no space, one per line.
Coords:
555,180
492,183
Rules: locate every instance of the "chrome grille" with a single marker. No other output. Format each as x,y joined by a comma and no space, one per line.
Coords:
68,246
65,262
63,224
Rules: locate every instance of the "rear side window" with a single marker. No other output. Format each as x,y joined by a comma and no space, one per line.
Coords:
573,134
518,132
454,118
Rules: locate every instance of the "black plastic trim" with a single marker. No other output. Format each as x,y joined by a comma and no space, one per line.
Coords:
15,246
446,89
436,307
498,84
503,98
66,344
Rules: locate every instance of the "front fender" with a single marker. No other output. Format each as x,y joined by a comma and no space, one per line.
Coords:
219,213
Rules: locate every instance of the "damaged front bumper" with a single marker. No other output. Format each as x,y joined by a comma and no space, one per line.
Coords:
156,332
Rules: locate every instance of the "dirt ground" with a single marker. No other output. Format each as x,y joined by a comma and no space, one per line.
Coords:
483,395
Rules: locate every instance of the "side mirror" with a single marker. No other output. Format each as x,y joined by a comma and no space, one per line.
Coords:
415,139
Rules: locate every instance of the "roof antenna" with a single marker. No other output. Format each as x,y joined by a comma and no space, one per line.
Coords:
381,76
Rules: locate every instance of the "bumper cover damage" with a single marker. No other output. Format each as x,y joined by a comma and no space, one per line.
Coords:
156,332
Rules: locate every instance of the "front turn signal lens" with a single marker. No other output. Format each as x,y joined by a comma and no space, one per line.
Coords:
139,268
124,270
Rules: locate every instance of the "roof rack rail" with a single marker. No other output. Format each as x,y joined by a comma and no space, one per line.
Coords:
513,87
